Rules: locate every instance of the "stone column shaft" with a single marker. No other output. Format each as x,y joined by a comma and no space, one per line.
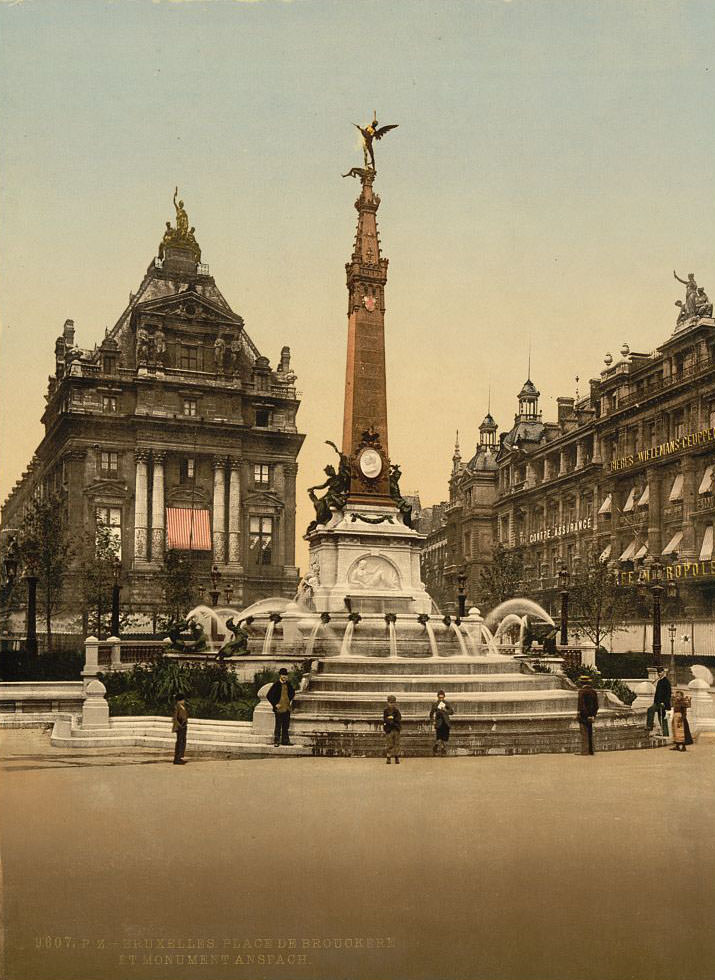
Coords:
219,512
141,506
234,513
158,533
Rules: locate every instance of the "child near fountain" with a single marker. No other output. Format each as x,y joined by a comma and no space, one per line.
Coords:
392,725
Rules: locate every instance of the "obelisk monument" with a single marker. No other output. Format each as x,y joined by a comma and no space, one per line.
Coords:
364,553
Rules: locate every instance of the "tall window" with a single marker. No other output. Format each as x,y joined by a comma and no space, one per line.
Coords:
187,469
190,407
262,474
109,463
111,517
260,540
189,358
109,404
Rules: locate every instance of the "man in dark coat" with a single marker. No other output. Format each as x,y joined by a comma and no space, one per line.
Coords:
280,695
661,702
391,726
180,724
587,711
440,717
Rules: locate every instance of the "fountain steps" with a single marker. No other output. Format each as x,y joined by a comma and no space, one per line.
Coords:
458,683
436,667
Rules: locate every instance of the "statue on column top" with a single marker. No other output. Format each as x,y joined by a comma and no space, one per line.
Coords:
369,133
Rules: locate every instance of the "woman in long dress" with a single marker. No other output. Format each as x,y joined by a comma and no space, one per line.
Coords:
681,728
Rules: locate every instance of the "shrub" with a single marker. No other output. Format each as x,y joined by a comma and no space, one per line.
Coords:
128,703
623,664
62,666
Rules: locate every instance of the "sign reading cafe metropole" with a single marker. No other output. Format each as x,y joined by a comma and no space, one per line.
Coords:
689,441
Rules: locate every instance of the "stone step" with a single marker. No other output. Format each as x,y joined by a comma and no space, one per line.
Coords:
412,703
434,667
457,683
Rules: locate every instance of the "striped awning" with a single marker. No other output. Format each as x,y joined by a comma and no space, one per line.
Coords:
605,507
674,543
645,496
676,492
631,502
706,552
706,484
628,553
606,553
641,553
188,529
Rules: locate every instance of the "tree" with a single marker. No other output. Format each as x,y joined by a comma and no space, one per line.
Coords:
45,549
503,578
600,605
179,584
100,555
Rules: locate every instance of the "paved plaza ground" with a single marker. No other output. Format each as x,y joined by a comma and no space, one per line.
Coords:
525,868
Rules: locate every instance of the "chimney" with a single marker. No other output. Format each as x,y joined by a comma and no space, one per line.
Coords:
68,333
565,408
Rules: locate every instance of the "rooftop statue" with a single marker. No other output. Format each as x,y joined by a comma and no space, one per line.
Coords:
182,235
691,293
369,133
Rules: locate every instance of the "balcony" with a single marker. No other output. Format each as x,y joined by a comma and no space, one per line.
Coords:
662,384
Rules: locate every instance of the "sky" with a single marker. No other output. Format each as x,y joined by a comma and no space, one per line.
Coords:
552,166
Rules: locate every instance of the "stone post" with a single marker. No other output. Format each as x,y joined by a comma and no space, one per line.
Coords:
115,652
219,510
91,660
234,512
158,533
141,505
95,710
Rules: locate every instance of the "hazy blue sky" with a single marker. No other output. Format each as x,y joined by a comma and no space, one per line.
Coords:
554,162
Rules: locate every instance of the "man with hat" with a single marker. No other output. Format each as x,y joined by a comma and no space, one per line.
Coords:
661,703
180,724
439,716
280,695
587,711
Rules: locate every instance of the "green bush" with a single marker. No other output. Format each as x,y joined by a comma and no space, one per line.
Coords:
128,703
623,664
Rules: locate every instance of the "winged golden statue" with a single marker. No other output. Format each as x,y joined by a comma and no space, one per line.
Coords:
369,133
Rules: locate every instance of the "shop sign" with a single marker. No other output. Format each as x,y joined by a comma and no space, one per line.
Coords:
562,530
690,441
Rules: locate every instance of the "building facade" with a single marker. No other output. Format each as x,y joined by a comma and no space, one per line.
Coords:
176,433
626,470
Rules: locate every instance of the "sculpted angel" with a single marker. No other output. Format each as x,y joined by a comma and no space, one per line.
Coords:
369,133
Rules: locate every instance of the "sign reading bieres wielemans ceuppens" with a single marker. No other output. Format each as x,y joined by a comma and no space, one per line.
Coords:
561,530
690,441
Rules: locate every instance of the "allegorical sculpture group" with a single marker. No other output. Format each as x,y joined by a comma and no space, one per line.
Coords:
182,235
697,302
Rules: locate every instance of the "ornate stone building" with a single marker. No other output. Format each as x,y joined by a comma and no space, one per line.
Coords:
627,469
176,433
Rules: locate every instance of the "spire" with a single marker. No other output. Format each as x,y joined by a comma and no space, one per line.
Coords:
365,436
456,456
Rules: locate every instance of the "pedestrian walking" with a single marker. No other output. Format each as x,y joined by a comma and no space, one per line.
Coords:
280,695
392,726
440,717
661,703
587,711
180,724
681,728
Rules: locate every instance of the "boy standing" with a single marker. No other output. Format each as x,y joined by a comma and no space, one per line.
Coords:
180,724
392,725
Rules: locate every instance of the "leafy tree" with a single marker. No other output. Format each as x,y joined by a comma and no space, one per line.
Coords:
100,555
503,577
600,606
45,548
179,584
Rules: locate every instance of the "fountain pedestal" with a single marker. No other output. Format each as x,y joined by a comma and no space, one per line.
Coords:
368,562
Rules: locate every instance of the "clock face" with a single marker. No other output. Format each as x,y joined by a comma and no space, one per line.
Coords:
370,463
369,303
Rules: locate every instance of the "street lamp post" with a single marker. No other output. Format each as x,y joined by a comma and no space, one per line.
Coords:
656,575
672,630
564,579
215,579
116,588
31,617
461,593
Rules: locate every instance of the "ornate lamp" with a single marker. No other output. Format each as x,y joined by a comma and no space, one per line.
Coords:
116,587
461,592
672,630
657,590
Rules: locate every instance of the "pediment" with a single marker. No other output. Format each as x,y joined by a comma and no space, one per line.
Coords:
187,497
264,498
189,305
106,488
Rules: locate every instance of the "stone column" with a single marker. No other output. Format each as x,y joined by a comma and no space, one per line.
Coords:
596,458
562,462
290,470
219,515
158,532
655,513
234,512
530,475
141,505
